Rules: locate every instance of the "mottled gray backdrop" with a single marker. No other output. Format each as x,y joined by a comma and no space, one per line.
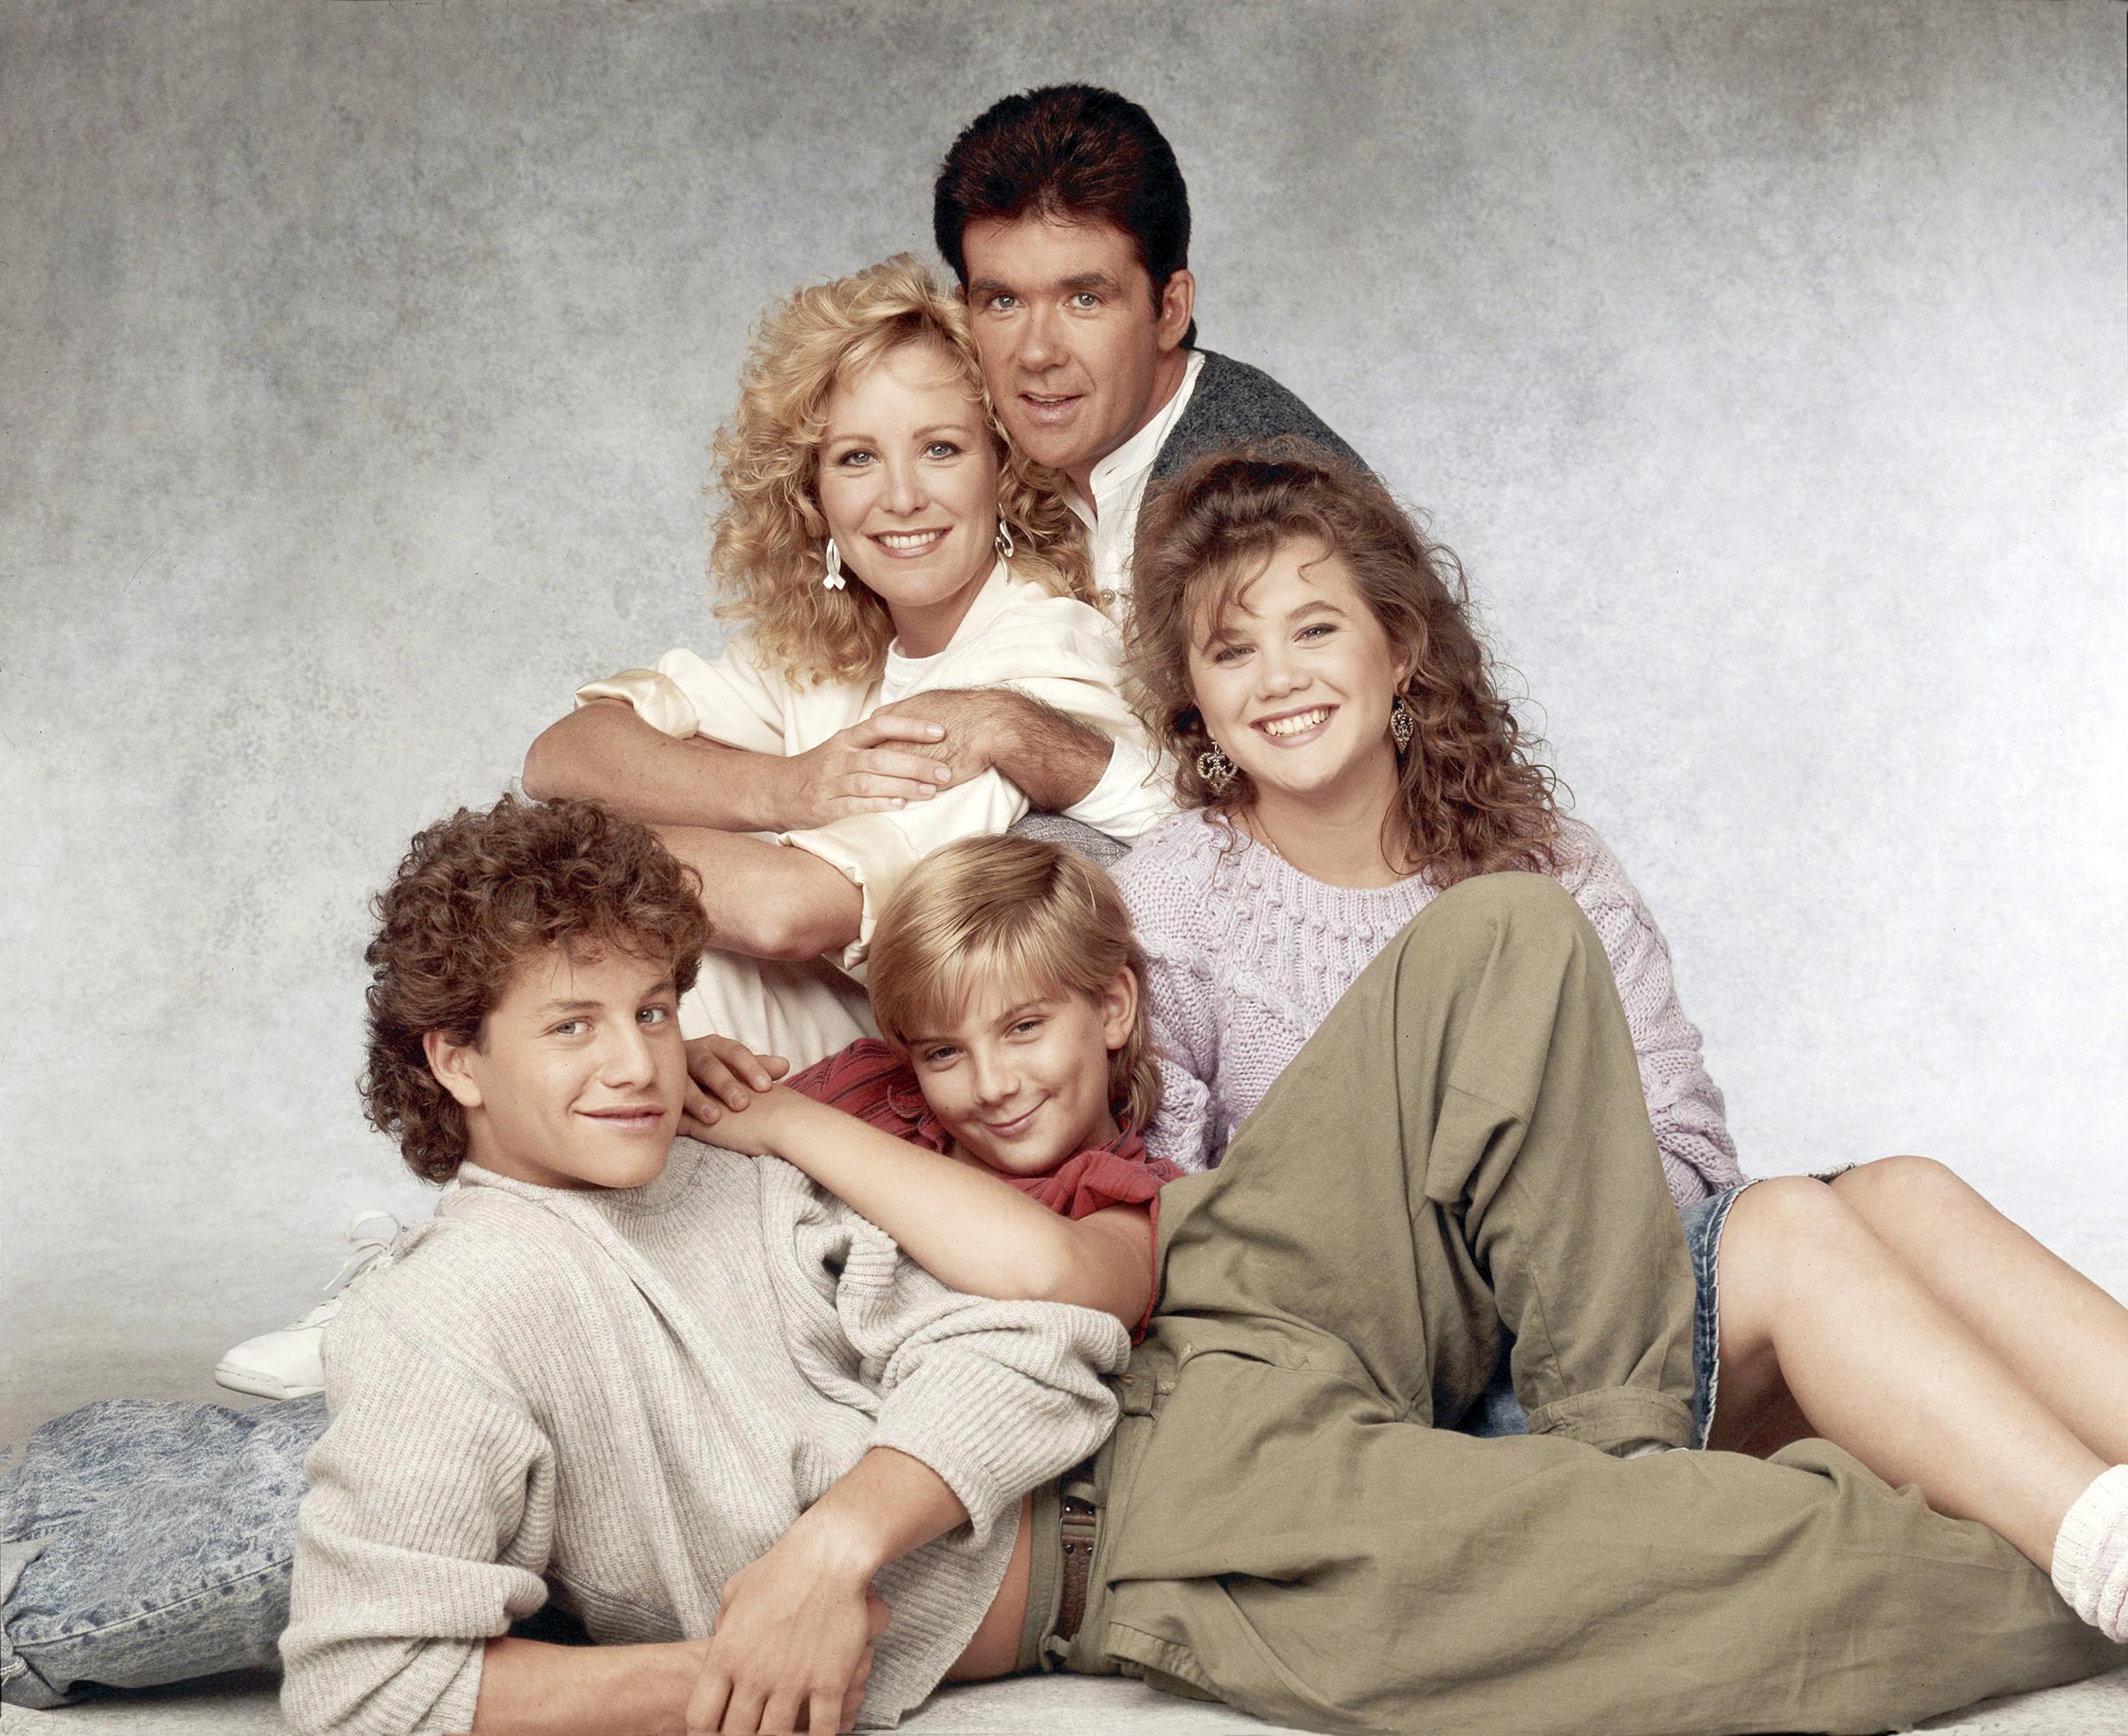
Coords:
358,361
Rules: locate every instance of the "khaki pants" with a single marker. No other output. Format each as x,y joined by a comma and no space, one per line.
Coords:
1464,1143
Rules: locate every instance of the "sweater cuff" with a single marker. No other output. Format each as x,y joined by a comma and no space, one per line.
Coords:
992,1433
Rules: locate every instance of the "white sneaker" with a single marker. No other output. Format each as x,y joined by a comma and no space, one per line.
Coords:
288,1363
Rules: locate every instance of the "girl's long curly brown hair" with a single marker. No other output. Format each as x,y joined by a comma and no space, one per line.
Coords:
1470,800
767,557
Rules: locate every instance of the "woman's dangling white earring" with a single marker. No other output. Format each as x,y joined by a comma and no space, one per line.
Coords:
1004,540
833,580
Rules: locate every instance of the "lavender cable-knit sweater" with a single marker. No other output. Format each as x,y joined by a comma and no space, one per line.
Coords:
1247,956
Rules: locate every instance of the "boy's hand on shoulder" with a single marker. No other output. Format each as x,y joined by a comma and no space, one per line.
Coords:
760,1129
723,1078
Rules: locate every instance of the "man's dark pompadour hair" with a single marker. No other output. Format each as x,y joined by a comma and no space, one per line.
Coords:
1074,153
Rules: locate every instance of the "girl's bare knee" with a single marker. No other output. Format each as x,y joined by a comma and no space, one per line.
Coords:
1786,1218
1907,1181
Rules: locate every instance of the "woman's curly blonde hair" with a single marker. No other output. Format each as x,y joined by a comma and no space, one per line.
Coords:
767,559
1471,799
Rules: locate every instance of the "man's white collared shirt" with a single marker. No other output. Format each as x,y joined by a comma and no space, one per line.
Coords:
1119,489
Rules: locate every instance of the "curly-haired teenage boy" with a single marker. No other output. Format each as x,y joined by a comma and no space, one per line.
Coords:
662,1383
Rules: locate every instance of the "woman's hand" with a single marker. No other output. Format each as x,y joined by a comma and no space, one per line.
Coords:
723,1077
863,770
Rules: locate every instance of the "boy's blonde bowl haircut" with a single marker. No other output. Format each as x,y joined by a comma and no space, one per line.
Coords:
981,912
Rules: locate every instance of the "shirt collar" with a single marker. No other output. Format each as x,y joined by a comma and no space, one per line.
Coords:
1113,476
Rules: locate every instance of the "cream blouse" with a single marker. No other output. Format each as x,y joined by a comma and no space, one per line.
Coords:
1015,634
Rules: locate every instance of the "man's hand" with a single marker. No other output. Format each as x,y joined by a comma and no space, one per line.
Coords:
863,770
973,725
722,1075
792,1645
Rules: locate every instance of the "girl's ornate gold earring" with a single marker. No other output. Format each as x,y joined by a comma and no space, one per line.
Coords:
1401,723
1215,768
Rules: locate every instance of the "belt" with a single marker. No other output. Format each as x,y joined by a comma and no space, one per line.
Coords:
1079,1522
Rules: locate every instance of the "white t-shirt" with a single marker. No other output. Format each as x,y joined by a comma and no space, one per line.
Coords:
1015,634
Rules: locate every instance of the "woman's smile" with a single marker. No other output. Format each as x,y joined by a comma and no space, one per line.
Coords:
1291,729
906,544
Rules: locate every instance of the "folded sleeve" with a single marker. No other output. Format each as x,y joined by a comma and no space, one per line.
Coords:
1136,792
876,851
423,1534
729,698
996,1397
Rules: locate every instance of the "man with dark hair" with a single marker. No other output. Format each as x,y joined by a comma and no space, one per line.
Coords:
1064,214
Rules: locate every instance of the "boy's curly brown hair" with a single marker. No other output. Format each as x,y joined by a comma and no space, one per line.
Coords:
479,892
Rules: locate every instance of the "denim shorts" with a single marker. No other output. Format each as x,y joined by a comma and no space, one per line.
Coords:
1497,1411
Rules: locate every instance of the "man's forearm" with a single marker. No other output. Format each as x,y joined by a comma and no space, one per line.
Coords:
529,1688
1056,759
603,752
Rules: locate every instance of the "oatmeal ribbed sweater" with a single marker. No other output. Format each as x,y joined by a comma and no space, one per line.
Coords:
1247,956
628,1395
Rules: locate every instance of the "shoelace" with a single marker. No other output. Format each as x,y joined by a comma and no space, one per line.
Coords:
373,1253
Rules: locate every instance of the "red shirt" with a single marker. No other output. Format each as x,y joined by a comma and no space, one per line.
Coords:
868,1080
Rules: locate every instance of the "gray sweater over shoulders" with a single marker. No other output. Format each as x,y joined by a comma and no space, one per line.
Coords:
1234,406
628,1396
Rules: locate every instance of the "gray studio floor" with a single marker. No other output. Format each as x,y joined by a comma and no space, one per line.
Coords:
240,1706
246,1705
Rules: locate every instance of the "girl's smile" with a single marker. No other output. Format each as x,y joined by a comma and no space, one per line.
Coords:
1294,680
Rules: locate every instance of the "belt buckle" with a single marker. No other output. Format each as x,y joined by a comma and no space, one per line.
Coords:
1079,1523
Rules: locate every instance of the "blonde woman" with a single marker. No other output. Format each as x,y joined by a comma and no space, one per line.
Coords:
916,660
882,551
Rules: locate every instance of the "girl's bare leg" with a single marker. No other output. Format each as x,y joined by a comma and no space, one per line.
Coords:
1817,1307
2065,1339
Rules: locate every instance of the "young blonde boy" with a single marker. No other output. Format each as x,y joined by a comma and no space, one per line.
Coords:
1007,983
